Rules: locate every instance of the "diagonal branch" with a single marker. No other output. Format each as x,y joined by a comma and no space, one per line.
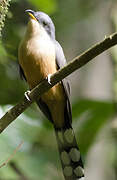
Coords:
44,86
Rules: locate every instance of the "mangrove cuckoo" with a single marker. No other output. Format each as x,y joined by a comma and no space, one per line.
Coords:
40,55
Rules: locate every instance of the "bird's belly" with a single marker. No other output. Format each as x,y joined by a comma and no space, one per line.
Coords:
37,61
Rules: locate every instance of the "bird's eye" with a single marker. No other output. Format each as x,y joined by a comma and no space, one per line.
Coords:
44,23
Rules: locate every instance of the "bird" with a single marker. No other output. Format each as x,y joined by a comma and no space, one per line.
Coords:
40,55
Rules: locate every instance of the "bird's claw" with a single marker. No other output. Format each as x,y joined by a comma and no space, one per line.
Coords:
49,78
27,95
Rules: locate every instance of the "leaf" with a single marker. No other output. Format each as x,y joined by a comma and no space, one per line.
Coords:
90,116
48,6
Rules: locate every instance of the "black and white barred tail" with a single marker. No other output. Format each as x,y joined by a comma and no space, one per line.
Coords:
69,154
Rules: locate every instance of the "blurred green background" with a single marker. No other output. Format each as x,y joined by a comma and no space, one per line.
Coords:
79,24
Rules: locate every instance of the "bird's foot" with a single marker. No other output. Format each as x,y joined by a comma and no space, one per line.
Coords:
49,78
27,95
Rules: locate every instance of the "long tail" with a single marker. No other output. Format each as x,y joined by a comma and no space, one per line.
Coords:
69,154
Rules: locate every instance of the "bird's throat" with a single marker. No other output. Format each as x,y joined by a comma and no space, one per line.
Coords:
33,28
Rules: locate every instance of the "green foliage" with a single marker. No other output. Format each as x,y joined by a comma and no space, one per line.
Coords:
3,54
48,6
38,155
34,155
91,116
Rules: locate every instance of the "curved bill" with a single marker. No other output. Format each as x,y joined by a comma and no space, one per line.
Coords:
31,14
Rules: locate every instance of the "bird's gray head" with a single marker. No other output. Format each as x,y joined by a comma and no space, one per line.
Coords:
44,20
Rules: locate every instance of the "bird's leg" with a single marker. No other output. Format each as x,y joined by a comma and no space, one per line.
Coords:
27,92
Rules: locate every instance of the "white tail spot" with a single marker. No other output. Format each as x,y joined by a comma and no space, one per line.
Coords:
82,178
67,171
65,158
74,155
79,171
69,136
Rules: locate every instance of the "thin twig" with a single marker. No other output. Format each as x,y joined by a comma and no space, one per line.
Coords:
12,155
44,86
